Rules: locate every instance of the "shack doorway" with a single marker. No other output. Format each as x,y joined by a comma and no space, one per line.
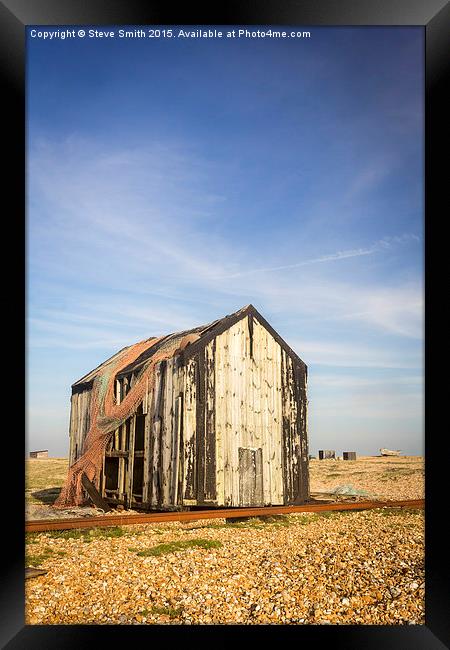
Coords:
250,477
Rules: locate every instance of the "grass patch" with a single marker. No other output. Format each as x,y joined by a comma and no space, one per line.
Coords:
172,612
394,473
276,520
85,534
395,512
304,520
254,523
36,560
173,547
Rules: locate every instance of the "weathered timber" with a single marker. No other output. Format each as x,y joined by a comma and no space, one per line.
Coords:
94,494
210,439
200,426
31,572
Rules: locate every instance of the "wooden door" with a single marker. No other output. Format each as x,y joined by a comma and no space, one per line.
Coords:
250,477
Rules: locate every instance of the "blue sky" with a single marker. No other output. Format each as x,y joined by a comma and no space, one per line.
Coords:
171,182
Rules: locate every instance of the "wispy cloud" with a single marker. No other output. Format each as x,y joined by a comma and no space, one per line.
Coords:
348,354
125,228
379,246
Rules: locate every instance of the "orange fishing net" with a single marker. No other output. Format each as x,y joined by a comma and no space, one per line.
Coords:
106,415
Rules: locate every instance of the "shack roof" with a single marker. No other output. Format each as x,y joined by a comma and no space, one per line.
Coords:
206,333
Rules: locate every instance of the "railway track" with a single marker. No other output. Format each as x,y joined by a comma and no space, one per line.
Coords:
42,525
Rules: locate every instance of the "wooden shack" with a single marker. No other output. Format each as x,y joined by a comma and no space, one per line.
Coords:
223,425
327,454
41,453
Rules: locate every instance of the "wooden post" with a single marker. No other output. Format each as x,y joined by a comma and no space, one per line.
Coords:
94,495
146,486
176,448
155,483
129,488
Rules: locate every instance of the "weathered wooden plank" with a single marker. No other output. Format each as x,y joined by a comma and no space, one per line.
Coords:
146,488
250,477
158,425
145,401
189,431
94,495
301,378
243,396
166,435
286,456
294,441
261,436
233,348
250,366
277,422
129,486
79,428
121,478
267,433
72,429
155,464
219,398
223,415
113,453
176,440
200,427
210,438
103,477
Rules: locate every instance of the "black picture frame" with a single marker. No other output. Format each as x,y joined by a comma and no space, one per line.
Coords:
434,17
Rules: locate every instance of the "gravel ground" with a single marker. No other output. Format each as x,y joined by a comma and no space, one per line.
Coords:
339,568
343,568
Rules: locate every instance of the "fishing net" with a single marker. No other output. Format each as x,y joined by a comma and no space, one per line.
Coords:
106,415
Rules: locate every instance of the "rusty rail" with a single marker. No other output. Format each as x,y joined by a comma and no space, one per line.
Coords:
194,515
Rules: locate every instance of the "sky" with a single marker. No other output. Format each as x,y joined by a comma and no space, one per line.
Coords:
172,181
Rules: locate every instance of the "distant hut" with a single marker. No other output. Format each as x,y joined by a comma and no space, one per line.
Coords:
42,453
326,454
221,421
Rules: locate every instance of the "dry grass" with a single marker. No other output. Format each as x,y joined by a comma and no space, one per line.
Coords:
44,479
388,478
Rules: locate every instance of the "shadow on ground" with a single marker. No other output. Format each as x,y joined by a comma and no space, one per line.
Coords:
47,496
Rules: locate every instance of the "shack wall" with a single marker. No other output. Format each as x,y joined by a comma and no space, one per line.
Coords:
226,427
248,413
253,405
80,419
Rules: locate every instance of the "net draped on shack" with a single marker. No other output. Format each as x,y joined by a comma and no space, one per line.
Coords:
107,415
